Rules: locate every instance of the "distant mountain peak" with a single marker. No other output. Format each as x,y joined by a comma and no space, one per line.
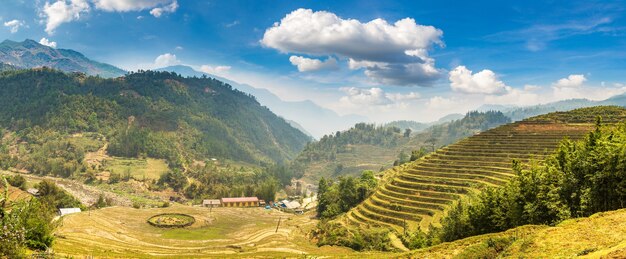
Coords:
32,54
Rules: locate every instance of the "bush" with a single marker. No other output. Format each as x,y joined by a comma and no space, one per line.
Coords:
17,181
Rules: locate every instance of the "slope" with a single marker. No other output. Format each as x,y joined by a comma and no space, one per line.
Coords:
158,114
31,54
306,113
417,194
368,147
602,235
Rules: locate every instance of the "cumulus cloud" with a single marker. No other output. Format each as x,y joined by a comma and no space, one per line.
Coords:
571,81
165,60
14,25
392,53
374,96
214,69
157,12
63,11
484,82
46,42
133,5
308,64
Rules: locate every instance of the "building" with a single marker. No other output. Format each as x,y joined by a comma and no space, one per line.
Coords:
211,203
33,191
240,202
67,211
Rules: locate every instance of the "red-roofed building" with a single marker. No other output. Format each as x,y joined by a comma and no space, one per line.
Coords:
240,202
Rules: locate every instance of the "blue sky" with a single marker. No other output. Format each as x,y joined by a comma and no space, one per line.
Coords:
362,57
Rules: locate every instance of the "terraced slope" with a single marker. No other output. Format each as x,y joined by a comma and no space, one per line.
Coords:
417,195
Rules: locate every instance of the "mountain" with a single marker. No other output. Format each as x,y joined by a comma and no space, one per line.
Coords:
414,126
154,114
31,54
519,113
417,194
368,147
305,113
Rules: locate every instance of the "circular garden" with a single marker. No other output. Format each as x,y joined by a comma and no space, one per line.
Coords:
171,220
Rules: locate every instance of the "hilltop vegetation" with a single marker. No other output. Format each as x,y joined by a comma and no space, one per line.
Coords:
581,178
412,199
371,147
155,114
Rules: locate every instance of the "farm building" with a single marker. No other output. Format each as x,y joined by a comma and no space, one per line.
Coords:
67,211
211,203
240,202
33,191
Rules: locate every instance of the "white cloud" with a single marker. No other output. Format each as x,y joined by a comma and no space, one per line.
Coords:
63,11
157,12
308,64
46,42
234,23
440,103
214,69
390,53
165,60
572,81
179,48
14,25
373,96
131,5
483,82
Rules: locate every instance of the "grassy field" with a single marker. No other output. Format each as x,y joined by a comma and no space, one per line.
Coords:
138,168
602,235
232,232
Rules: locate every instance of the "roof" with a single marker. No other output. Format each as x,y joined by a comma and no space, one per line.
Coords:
240,199
211,202
33,191
292,204
65,211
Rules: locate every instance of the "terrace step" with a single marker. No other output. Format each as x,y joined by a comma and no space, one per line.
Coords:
423,193
407,201
417,196
500,179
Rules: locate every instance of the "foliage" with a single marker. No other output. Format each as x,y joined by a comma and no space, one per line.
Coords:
157,114
55,197
337,198
25,224
472,123
360,239
17,181
579,179
218,182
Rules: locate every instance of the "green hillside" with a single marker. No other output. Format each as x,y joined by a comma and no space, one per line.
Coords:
370,147
154,114
417,194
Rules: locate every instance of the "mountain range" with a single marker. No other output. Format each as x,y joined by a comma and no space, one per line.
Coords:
31,54
306,114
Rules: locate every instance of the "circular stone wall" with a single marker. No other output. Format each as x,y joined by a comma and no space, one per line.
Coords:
171,220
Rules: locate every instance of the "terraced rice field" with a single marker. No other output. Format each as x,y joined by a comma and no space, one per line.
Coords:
418,196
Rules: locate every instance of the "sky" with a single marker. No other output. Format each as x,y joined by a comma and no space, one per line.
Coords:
386,60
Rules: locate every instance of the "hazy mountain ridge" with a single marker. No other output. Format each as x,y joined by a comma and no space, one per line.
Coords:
305,113
31,54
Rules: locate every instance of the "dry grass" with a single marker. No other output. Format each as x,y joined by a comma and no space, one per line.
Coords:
602,235
249,232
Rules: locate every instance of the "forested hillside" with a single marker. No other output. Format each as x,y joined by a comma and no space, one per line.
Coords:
371,147
154,114
496,180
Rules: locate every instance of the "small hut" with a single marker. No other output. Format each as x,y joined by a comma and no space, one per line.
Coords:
211,203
